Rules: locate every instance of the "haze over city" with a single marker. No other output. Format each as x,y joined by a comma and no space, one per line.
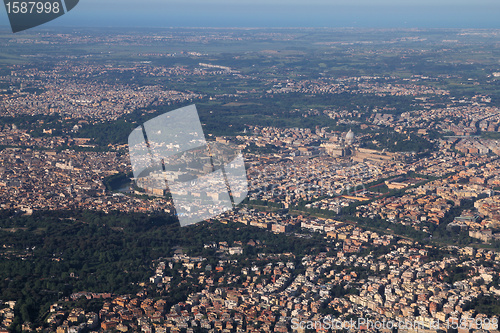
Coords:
278,13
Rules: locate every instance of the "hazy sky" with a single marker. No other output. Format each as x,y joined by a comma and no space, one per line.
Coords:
281,13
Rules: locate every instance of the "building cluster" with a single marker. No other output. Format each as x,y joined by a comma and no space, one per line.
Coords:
405,284
459,181
13,137
364,86
464,117
274,221
290,180
63,180
407,210
7,315
83,100
478,146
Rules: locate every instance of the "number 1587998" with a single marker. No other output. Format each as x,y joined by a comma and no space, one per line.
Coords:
30,7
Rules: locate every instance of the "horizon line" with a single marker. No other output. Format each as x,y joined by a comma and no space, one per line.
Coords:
7,27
